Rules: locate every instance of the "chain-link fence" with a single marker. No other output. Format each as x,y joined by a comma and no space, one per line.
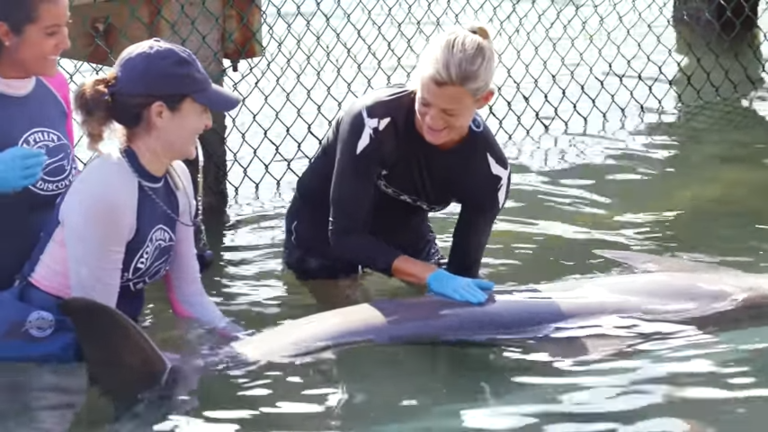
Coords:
568,69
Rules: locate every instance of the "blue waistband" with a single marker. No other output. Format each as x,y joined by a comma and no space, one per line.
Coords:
34,296
33,329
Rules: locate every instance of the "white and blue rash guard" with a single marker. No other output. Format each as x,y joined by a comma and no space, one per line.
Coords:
32,114
111,238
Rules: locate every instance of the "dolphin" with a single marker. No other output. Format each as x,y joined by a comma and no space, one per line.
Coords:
124,362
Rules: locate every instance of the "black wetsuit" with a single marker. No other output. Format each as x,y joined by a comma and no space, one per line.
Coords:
364,199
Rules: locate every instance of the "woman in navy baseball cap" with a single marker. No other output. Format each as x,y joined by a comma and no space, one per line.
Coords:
127,219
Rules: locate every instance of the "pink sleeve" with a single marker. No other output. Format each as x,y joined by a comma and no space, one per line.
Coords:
183,282
60,85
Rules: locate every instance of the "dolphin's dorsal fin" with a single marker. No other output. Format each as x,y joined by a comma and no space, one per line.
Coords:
122,360
655,263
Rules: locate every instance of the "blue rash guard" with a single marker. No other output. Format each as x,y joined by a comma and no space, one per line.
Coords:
33,115
116,231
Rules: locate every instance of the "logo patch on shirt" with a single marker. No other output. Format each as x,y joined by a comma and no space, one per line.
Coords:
371,125
477,123
153,259
503,175
59,170
40,324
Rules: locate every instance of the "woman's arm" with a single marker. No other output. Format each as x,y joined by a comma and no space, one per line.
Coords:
412,270
98,217
358,157
183,282
482,201
470,237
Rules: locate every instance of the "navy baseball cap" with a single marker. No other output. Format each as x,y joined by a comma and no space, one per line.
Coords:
155,67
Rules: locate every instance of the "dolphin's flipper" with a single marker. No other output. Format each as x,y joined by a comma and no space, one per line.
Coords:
656,263
122,361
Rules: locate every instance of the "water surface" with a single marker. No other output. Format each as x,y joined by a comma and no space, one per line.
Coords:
619,137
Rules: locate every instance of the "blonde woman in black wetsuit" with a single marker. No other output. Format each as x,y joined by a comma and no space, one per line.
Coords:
392,157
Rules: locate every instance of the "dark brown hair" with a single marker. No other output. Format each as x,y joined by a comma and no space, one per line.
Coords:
17,14
98,107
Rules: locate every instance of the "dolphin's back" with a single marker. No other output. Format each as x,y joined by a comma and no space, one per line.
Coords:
421,319
528,312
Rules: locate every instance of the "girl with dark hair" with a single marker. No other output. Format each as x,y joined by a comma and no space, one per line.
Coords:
36,159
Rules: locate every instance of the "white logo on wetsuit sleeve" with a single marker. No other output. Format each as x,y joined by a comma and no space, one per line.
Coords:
370,126
40,324
477,123
59,170
501,172
152,260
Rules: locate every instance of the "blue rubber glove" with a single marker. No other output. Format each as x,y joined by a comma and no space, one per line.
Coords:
459,288
19,168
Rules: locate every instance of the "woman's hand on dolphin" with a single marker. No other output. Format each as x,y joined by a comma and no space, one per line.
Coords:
231,331
459,288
